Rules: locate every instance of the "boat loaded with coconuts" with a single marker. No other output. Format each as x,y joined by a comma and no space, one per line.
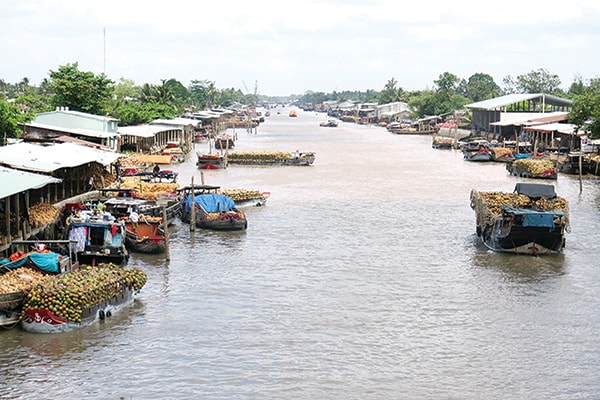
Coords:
269,158
76,299
29,263
531,220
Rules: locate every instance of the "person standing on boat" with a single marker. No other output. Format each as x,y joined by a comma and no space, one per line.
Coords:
118,169
156,172
134,218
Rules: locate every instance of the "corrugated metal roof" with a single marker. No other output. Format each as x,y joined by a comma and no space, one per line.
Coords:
503,101
76,131
65,110
49,158
15,181
177,122
531,119
143,131
553,127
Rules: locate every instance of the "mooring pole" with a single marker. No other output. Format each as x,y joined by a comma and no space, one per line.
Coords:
193,209
166,233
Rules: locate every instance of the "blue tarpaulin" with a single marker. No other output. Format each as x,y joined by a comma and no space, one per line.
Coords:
45,261
213,202
535,218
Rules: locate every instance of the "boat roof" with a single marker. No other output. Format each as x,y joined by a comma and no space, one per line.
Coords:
536,190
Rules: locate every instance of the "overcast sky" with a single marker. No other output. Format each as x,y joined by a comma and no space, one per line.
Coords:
290,47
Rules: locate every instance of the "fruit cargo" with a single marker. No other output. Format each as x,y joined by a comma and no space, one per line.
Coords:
531,220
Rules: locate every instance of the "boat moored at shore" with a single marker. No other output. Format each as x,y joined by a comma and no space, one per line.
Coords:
80,298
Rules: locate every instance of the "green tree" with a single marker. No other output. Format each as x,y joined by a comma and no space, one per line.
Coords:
480,87
509,85
80,90
130,113
199,93
539,81
391,93
447,84
585,112
126,90
10,117
180,95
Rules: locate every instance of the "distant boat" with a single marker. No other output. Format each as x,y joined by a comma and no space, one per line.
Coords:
271,158
332,123
210,161
293,113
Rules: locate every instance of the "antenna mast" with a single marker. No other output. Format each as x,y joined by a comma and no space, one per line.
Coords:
104,71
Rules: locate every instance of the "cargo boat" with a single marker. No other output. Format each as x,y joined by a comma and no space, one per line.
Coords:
74,300
532,220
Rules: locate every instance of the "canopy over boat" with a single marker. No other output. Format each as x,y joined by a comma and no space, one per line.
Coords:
536,190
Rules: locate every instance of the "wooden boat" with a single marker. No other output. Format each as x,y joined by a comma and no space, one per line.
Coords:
502,154
332,123
120,207
210,161
442,142
224,142
26,268
99,237
477,150
80,298
176,153
539,168
531,220
271,158
212,211
569,164
148,236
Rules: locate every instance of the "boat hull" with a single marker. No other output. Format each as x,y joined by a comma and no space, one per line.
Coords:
226,221
517,239
302,161
210,162
103,256
44,321
512,170
477,156
147,245
10,308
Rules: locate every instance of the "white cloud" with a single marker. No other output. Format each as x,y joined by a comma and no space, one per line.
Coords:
302,45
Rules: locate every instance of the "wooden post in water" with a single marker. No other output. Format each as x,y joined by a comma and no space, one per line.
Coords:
166,233
580,167
193,209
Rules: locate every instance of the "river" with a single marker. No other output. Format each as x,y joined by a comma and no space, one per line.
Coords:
362,278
